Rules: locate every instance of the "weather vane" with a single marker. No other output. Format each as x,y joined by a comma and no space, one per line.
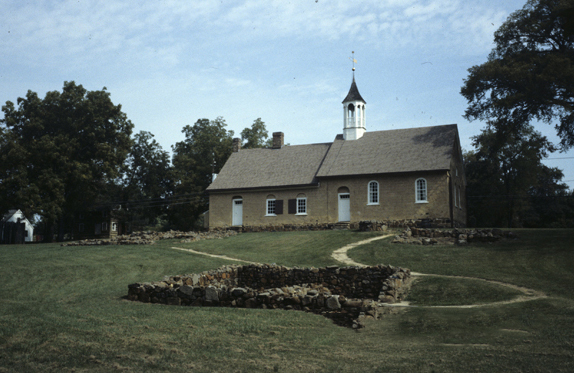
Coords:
353,60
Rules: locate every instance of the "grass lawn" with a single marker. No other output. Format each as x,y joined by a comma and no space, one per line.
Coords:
62,310
303,249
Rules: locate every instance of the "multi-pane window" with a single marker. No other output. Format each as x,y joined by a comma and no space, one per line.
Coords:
373,193
421,190
301,205
271,206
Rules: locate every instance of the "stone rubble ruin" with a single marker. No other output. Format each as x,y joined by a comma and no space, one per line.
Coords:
347,295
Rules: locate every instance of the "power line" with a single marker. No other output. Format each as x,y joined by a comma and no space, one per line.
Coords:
156,202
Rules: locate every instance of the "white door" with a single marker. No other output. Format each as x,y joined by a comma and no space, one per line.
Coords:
344,207
237,213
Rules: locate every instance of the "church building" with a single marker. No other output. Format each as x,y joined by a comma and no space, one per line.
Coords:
405,174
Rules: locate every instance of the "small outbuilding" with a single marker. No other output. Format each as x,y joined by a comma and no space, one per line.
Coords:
15,228
99,224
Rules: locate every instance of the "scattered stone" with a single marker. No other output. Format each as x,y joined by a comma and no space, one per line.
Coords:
149,237
428,236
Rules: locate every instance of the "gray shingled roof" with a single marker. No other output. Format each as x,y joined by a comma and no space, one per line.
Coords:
354,94
405,150
258,168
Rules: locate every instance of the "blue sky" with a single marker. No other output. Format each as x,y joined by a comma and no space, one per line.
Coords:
169,63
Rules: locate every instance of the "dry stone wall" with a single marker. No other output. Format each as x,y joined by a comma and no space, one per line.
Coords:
284,227
383,225
149,237
347,295
423,236
368,225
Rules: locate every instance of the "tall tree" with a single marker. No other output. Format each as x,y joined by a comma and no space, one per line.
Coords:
147,180
551,204
204,151
529,75
59,152
501,174
256,136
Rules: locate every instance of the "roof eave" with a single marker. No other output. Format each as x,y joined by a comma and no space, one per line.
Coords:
382,173
271,187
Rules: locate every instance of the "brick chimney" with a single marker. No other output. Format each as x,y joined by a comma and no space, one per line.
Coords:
277,140
236,144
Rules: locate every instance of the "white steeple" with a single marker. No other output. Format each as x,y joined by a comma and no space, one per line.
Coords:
354,112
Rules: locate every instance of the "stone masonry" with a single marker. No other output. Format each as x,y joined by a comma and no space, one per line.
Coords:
363,226
346,295
150,237
423,236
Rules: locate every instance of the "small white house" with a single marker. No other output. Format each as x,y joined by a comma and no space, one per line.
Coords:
15,216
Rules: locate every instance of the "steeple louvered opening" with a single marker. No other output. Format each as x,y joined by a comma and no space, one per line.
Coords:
354,114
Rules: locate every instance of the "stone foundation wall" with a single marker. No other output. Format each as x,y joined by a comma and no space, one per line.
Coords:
364,226
423,236
347,295
284,227
382,225
150,237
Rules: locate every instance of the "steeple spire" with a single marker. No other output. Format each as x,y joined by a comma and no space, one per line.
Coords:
354,111
354,94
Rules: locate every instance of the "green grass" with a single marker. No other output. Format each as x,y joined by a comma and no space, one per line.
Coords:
448,291
285,248
62,310
541,259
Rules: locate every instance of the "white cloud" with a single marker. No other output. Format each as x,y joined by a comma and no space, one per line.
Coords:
234,82
77,32
424,11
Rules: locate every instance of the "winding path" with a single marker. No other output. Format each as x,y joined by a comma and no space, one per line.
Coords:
214,255
340,255
527,294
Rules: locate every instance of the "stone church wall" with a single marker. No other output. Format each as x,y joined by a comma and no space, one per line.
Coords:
396,202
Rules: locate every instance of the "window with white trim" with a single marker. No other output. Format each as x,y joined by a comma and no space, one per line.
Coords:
373,193
421,190
271,205
301,206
